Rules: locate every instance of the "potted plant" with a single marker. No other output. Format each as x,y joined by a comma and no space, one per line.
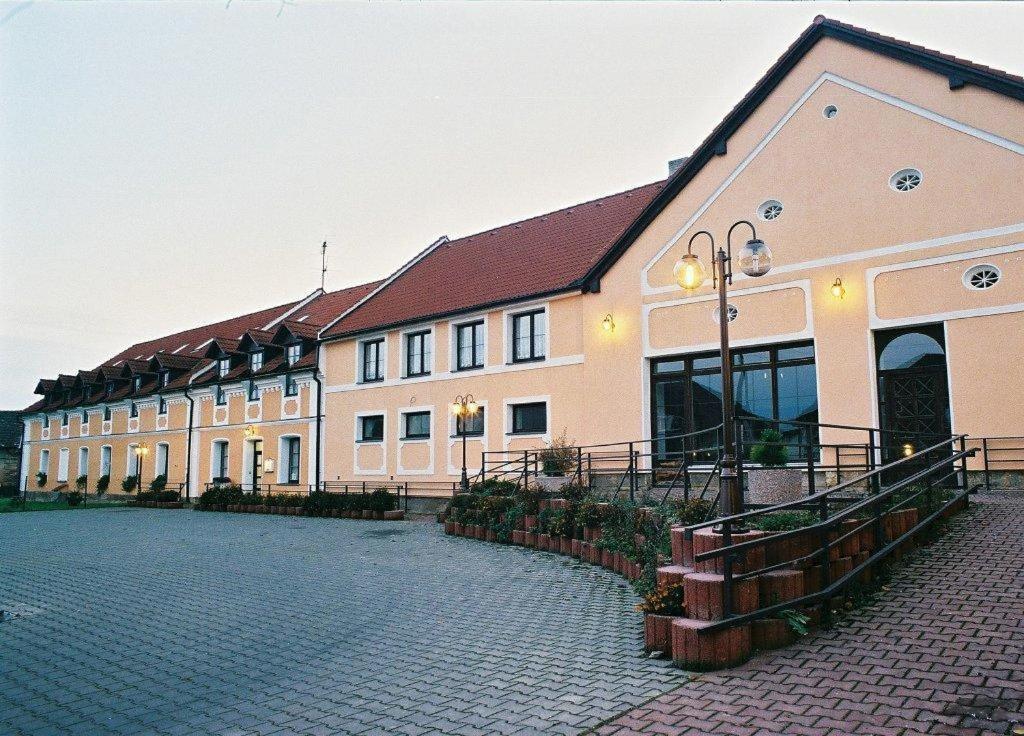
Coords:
41,479
102,484
558,457
772,482
660,606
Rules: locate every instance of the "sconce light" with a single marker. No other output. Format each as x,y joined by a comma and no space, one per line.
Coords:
908,450
608,323
250,431
838,290
268,465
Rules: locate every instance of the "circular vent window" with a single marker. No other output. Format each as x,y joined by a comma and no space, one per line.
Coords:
981,277
731,311
905,180
770,210
830,112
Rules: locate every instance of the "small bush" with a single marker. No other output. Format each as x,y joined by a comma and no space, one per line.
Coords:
160,496
158,483
74,498
559,456
102,484
694,511
493,487
769,452
41,479
129,483
784,521
221,495
382,500
81,482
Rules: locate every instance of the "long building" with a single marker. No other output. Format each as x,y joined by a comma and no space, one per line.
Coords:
886,179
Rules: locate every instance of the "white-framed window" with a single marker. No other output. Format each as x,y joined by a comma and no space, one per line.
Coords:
220,396
133,410
83,461
219,460
105,460
471,426
137,383
470,347
291,386
254,391
162,406
44,461
370,428
256,360
106,414
162,458
63,460
372,360
418,352
85,416
165,378
293,353
416,425
528,418
132,461
223,367
64,419
529,335
291,460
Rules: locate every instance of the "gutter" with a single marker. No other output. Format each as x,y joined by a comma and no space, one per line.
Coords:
319,413
188,448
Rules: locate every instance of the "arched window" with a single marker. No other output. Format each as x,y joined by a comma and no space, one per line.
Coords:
911,350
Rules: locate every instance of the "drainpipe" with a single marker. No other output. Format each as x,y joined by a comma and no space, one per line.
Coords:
319,413
188,449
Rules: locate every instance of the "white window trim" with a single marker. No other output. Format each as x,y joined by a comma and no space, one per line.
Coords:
506,319
287,348
455,441
282,460
403,350
131,460
106,459
215,458
507,405
44,461
429,441
360,378
63,464
453,342
82,470
156,457
357,443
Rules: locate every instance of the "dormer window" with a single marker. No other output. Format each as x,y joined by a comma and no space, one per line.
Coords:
88,392
165,378
223,366
162,409
134,410
137,383
110,387
293,353
256,360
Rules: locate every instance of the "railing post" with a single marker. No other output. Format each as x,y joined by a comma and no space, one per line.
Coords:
740,451
963,460
632,474
727,569
579,465
590,471
811,481
984,458
686,476
826,565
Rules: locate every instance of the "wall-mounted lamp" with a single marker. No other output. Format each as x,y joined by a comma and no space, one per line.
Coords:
838,290
908,450
250,431
608,323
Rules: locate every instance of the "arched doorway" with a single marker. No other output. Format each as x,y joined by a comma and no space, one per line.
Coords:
913,388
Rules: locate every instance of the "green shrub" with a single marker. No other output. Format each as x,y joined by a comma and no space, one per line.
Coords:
769,452
102,484
784,521
559,456
382,500
158,483
694,511
528,500
560,523
129,483
160,496
218,495
74,498
544,520
40,479
493,487
81,482
589,514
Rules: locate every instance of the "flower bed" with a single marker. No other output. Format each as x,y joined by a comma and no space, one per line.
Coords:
379,505
681,597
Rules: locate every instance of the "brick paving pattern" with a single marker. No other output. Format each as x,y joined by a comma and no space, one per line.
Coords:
134,621
941,653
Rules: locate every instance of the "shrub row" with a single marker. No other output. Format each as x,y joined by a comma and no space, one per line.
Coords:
318,503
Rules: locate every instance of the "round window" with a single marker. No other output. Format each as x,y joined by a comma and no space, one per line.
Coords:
770,210
905,180
830,112
983,276
731,311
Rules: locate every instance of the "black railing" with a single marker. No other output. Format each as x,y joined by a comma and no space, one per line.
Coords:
1000,455
930,481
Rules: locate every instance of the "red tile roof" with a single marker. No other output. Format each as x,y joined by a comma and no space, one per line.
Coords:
542,255
330,306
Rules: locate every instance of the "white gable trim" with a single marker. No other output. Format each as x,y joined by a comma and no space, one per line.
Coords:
1009,145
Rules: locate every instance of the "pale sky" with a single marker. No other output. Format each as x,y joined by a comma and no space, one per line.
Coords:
165,164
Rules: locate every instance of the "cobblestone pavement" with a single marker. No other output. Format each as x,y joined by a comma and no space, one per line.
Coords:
134,621
942,652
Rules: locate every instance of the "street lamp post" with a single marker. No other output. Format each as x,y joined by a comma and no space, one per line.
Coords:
141,450
463,408
755,259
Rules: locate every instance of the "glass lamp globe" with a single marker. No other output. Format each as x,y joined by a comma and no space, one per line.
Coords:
689,272
755,258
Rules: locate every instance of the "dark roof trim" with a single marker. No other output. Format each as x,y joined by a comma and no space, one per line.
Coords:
452,313
959,73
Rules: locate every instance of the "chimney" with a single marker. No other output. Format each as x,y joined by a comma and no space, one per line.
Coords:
675,164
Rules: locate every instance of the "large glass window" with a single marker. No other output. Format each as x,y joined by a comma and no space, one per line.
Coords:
770,384
469,346
530,418
529,336
292,447
373,360
417,425
417,353
220,461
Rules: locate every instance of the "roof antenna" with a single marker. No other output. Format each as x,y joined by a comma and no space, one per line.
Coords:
323,265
